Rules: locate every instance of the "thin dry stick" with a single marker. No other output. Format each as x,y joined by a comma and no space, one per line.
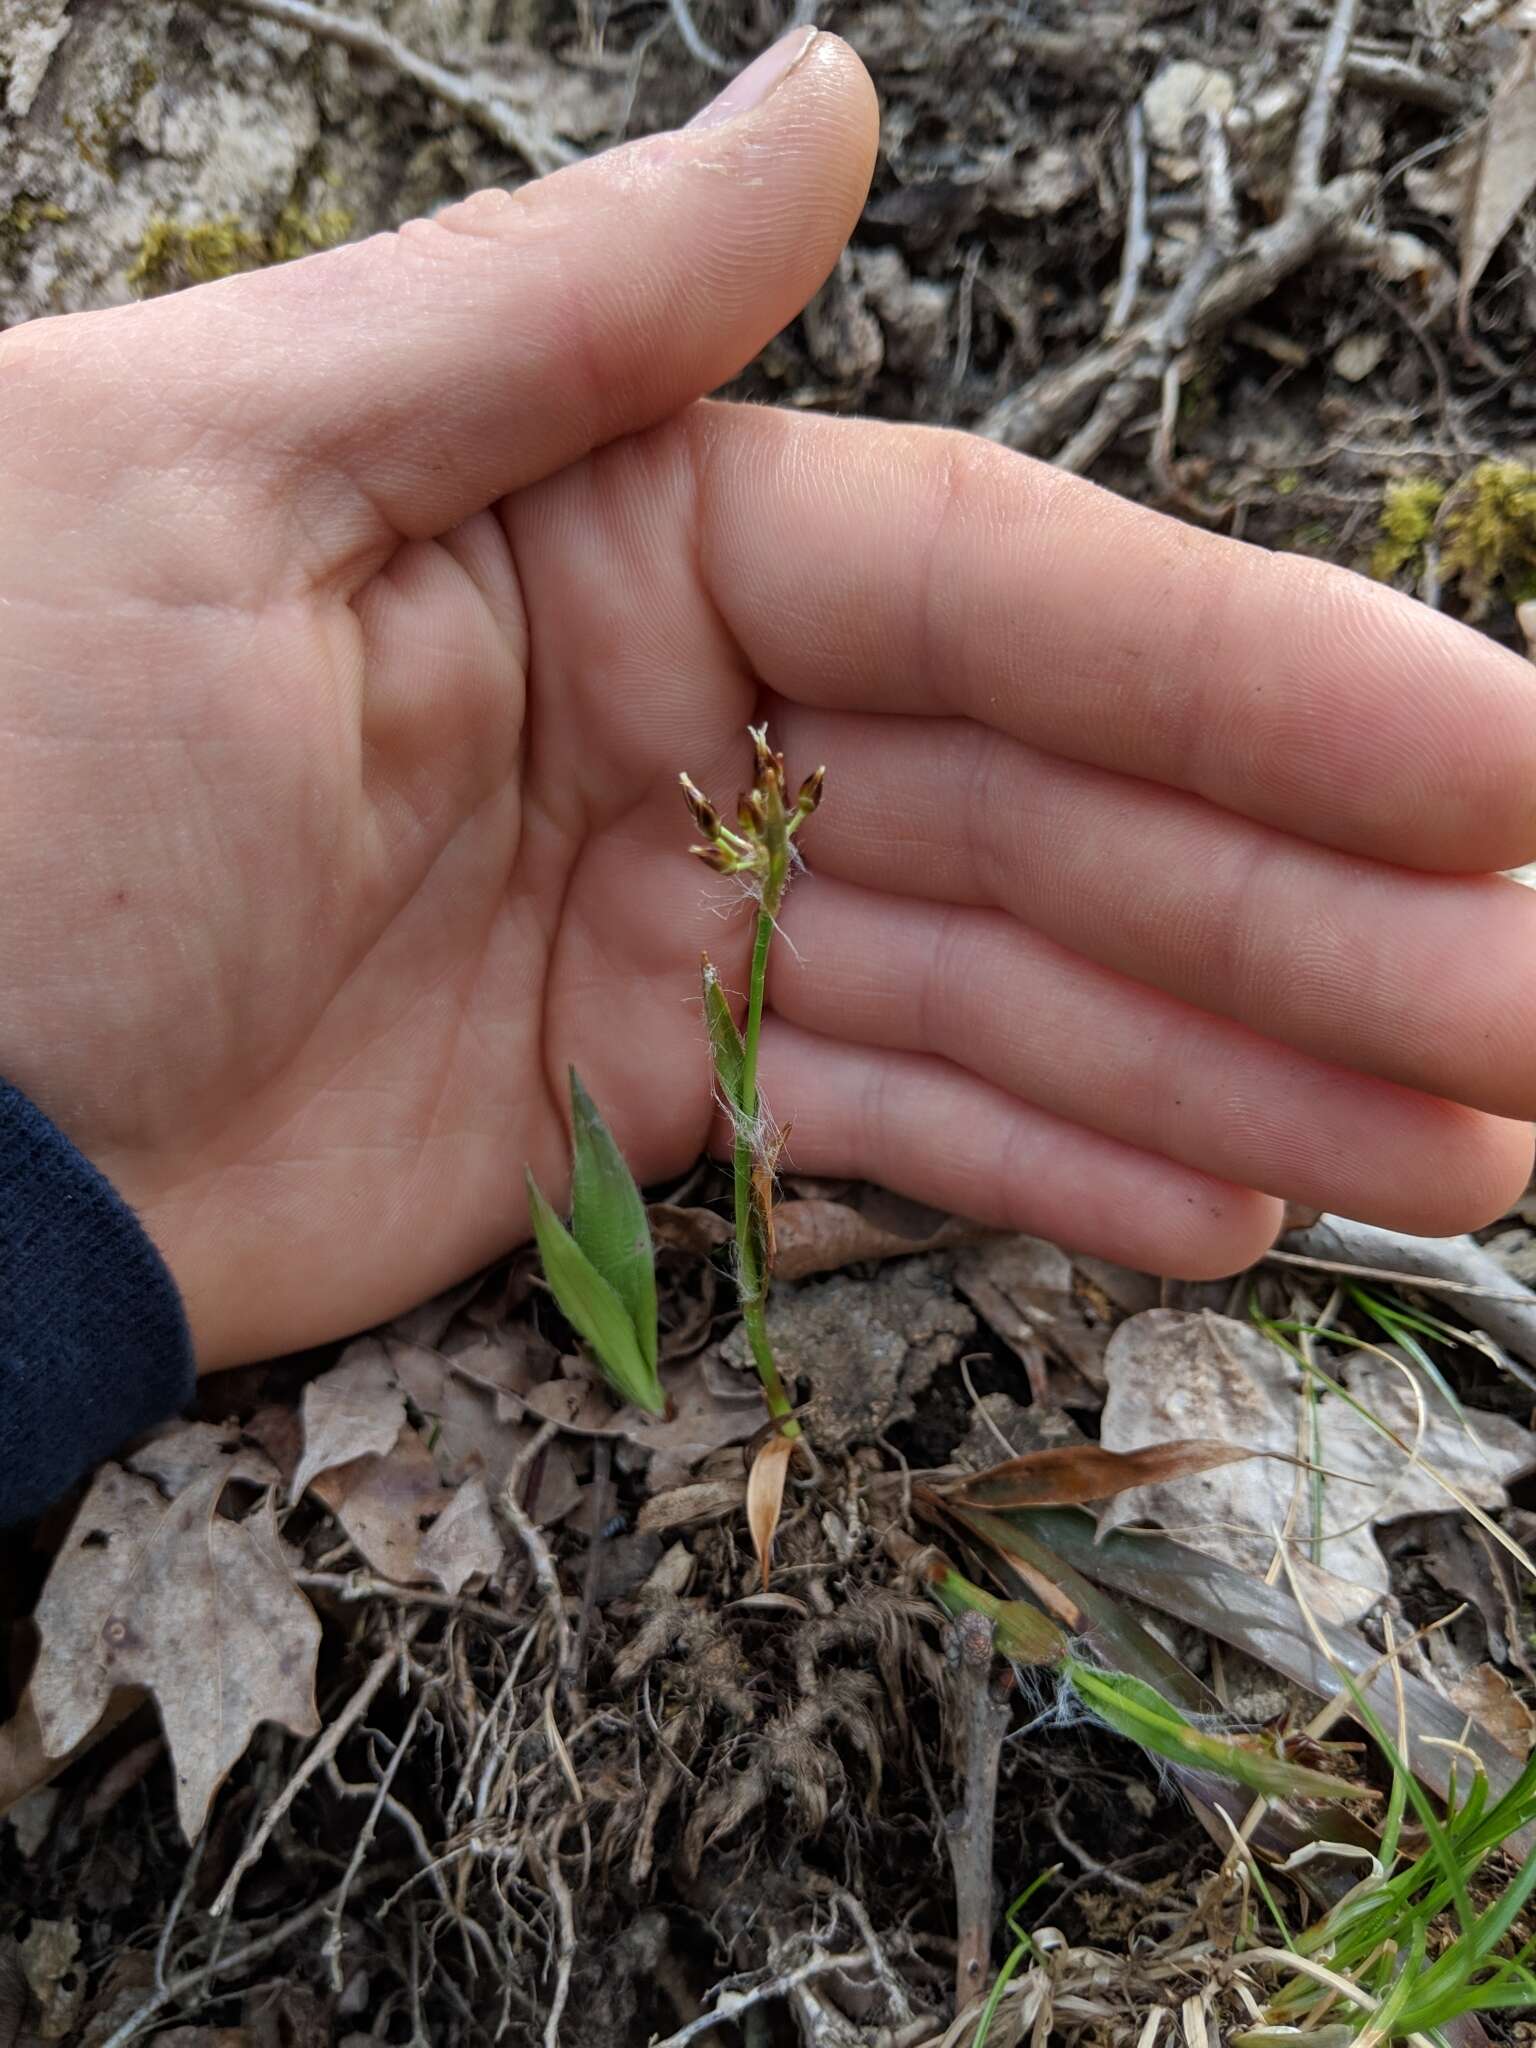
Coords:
984,1719
1317,118
320,1752
545,1576
1169,331
361,1586
330,1948
731,2003
565,1954
476,98
194,1980
1138,238
1029,418
696,46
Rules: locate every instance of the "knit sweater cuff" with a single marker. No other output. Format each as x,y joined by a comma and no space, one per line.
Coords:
94,1346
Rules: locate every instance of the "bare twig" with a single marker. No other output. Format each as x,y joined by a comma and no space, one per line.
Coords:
1394,78
221,1966
1217,243
545,1576
1030,417
1317,117
474,97
695,44
1138,238
330,1948
319,1753
983,1719
565,1953
730,2003
1169,331
362,1586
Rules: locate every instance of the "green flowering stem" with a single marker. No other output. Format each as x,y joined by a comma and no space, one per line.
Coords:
752,1260
759,848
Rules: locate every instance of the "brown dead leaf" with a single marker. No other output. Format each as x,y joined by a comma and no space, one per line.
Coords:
355,1410
765,1496
699,1418
462,1544
685,1507
385,1503
25,1761
1172,1372
1505,175
677,1229
1493,1703
1073,1474
474,1405
50,1960
199,1611
184,1451
816,1236
1027,1292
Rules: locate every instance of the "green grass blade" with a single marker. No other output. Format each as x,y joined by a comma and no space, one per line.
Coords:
592,1308
608,1219
725,1040
1133,1709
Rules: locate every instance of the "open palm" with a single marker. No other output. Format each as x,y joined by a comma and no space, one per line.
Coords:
358,618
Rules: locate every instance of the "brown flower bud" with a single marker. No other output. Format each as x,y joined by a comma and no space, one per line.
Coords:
766,759
810,792
715,857
705,816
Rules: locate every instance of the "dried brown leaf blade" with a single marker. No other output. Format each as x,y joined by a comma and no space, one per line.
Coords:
1505,175
199,1611
462,1544
765,1497
1073,1474
384,1503
352,1411
814,1235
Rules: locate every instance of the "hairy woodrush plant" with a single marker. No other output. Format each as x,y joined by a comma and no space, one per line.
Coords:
601,1270
761,850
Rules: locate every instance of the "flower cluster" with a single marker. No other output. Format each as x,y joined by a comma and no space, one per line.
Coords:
765,821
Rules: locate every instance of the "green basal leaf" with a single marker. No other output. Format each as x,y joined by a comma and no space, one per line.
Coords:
592,1309
608,1219
725,1040
1020,1633
1143,1716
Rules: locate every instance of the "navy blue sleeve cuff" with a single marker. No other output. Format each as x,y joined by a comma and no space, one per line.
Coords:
94,1346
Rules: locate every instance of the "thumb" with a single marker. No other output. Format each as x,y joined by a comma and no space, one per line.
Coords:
441,366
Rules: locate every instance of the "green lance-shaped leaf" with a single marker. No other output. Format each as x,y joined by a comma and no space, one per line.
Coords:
608,1219
1020,1633
592,1308
1133,1709
725,1041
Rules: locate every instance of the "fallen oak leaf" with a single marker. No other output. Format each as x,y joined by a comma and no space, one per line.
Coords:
353,1411
765,1497
1071,1475
462,1543
385,1503
138,1582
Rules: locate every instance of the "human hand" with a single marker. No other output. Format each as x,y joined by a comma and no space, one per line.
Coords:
358,617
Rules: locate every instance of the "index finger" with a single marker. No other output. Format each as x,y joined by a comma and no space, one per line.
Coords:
904,569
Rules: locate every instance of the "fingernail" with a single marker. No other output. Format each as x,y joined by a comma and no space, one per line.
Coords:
749,88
